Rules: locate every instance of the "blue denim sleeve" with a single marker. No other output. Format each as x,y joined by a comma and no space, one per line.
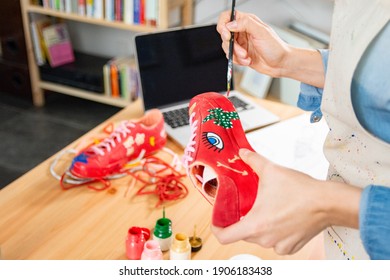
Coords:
374,221
310,97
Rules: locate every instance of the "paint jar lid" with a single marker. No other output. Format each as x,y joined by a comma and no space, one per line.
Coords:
196,243
163,228
137,231
181,243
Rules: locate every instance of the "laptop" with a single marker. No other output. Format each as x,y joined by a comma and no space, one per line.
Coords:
176,64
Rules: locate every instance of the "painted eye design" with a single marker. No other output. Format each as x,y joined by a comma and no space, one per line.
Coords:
213,141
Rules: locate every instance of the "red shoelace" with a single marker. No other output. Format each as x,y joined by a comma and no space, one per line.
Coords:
157,177
161,179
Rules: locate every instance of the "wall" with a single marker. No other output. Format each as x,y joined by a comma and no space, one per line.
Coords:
315,13
111,42
100,40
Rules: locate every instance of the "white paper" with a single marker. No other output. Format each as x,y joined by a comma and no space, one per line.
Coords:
294,143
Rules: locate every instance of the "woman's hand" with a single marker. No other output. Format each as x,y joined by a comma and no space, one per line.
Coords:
291,208
259,47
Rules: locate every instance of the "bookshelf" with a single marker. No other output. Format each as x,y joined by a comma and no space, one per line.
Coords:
39,86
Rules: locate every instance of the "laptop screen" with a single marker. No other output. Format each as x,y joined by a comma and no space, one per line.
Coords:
175,65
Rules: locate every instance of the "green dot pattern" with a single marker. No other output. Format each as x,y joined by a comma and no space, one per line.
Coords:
222,118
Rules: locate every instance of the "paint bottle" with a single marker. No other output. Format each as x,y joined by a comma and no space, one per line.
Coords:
152,251
195,242
163,232
135,241
180,248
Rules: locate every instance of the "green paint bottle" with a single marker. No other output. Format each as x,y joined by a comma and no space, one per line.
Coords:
163,232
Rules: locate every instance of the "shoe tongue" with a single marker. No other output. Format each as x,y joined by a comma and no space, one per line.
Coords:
208,175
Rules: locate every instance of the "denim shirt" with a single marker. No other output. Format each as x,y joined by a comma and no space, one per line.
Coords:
371,102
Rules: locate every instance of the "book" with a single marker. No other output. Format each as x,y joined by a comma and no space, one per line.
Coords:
75,6
109,6
57,4
107,79
137,12
119,10
151,12
128,11
46,3
58,44
36,40
142,11
68,6
115,76
98,9
125,70
38,25
120,78
89,5
82,7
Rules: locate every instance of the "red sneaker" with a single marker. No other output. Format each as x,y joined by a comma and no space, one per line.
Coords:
129,140
212,161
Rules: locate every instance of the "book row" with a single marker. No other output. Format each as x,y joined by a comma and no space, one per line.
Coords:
121,78
127,11
54,52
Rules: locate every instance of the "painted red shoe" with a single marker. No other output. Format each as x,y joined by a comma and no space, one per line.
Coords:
129,140
212,161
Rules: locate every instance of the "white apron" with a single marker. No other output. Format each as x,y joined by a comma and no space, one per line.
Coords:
356,157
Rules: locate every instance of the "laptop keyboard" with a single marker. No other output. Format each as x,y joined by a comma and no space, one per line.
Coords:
179,117
239,104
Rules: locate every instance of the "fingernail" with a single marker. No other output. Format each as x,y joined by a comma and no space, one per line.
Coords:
231,25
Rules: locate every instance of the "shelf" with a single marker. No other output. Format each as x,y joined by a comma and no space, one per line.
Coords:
38,86
90,20
83,94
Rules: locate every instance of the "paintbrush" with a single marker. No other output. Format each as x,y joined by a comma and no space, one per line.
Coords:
230,55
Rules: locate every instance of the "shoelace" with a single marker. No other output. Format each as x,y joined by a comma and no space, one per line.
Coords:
116,137
159,178
190,148
68,181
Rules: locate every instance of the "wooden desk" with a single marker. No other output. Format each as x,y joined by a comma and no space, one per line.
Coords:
39,220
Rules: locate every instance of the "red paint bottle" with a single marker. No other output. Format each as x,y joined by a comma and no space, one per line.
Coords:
135,242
